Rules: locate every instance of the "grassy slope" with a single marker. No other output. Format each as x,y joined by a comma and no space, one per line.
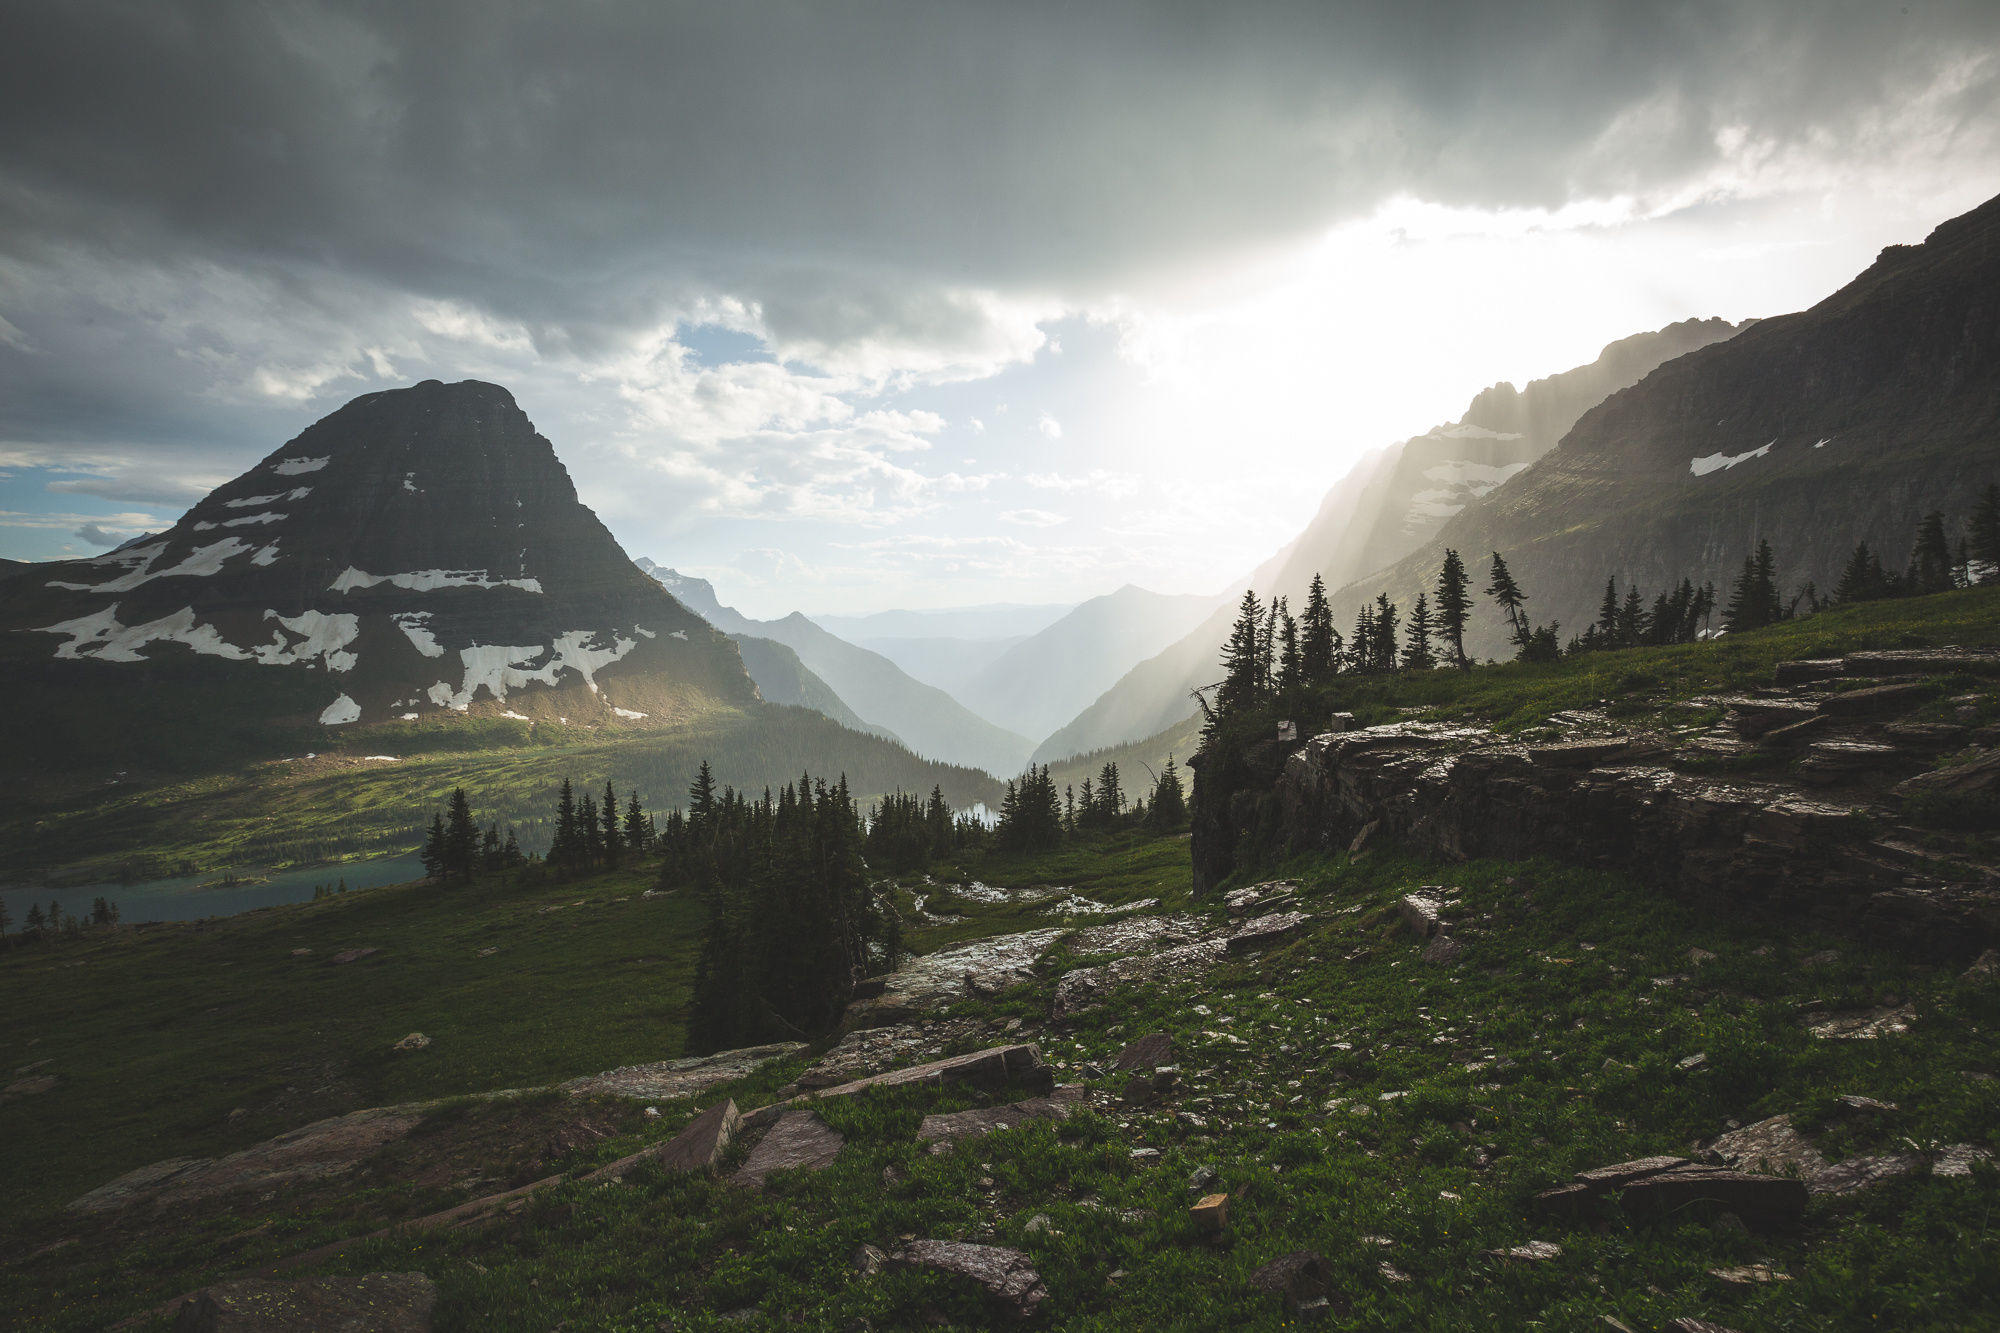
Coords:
301,812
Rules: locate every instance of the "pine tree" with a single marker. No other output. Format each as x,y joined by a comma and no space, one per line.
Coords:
1502,589
489,848
1291,664
1632,619
1316,637
34,921
1110,796
1984,536
635,825
1767,583
1454,604
461,836
1417,654
564,845
1241,659
1862,579
434,858
614,845
1754,600
1930,561
510,851
5,920
1383,645
589,833
1607,613
1361,648
1168,810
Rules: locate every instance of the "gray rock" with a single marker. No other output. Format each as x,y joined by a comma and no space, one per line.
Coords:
372,1303
799,1141
698,1147
681,1078
1772,1146
1302,1280
1866,1025
1443,950
1148,1052
352,955
1423,913
1006,1276
1958,1160
947,1130
1268,929
1975,777
1860,1173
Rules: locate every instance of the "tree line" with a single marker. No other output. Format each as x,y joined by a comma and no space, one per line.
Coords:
39,924
1034,817
1272,658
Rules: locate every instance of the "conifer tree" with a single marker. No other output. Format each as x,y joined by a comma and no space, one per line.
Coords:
1387,619
489,848
564,846
1607,613
5,920
435,859
1316,636
1632,619
510,851
1983,541
1862,579
1168,810
635,825
1454,604
1361,648
614,844
1417,654
1291,666
34,921
1930,560
589,833
461,836
1267,649
1241,660
1110,796
1502,589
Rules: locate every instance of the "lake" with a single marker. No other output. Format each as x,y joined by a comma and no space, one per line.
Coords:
184,899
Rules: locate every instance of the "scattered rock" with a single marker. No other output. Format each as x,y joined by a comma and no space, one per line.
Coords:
1443,950
1202,1177
416,1041
799,1141
1773,1146
377,1302
1239,902
1644,1189
1865,1025
302,953
1211,1214
1853,1102
352,955
1687,1325
1089,986
867,1260
1007,1276
1748,1275
988,1070
1391,1273
699,1147
1302,1280
29,1086
875,1050
1534,1251
943,1132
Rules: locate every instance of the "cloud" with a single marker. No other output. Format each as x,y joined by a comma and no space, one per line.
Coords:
1032,518
1113,485
97,536
1049,426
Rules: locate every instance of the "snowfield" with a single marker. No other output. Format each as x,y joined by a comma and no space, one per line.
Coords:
292,467
429,580
1701,467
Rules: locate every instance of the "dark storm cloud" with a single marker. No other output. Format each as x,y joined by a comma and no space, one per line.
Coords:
242,201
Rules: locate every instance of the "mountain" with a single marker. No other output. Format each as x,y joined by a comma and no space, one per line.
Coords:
1042,681
926,719
419,551
9,568
950,664
780,676
1846,422
1389,504
995,620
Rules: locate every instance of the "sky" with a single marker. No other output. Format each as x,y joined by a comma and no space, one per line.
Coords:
855,306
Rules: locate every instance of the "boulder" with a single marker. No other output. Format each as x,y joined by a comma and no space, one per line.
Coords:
1443,950
1772,1146
1302,1280
371,1303
1148,1052
1875,699
1864,1025
1663,1186
1423,913
799,1141
1210,1214
1007,1277
699,1147
1860,1173
1958,1159
416,1041
1534,1251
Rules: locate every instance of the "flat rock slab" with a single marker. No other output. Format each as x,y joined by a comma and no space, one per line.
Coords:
372,1303
799,1141
318,1150
1135,934
1971,778
696,1148
1423,913
987,1069
1874,699
939,979
1662,1186
1866,1025
1772,1146
1860,1173
1239,902
1268,929
944,1132
1006,1276
877,1049
681,1078
353,955
1149,1052
1923,662
1301,1279
29,1086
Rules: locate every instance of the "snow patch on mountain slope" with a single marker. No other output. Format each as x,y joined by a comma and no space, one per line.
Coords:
1462,482
1469,432
499,668
266,555
341,711
1719,462
100,637
413,626
627,713
292,467
201,563
429,580
320,636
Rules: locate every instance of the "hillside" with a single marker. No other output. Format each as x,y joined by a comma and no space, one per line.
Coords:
1041,682
418,552
1389,504
928,720
1846,422
1427,1092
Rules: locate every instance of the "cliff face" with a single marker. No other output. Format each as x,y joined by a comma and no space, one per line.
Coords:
1804,839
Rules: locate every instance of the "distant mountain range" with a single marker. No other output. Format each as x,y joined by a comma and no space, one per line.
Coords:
418,557
869,685
1388,505
1842,423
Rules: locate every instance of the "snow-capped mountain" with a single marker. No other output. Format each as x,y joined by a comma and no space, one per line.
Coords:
420,551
